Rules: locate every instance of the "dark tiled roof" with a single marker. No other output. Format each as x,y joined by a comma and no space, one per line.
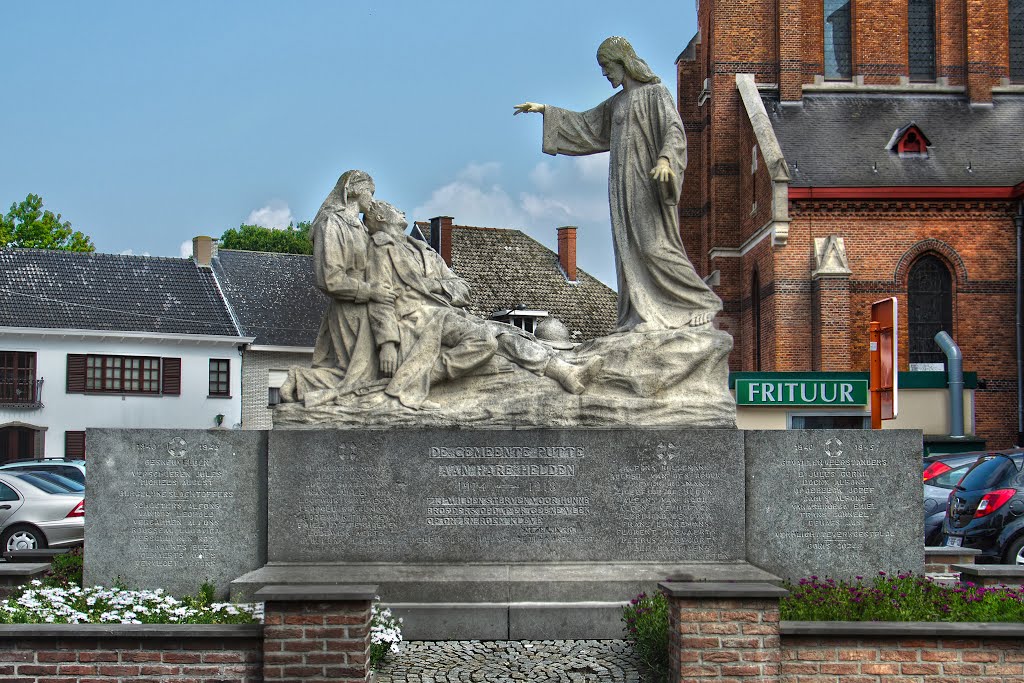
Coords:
507,267
838,140
272,295
61,289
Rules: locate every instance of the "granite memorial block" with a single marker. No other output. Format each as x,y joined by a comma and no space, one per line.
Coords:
454,496
172,508
834,503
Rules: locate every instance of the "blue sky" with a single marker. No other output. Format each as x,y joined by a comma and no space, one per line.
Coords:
147,123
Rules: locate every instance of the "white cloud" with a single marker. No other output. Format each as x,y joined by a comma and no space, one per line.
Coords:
185,249
131,252
275,214
553,193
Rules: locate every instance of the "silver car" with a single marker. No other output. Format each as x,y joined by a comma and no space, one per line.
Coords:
31,518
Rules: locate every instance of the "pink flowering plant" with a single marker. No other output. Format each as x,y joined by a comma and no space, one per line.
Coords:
903,597
646,629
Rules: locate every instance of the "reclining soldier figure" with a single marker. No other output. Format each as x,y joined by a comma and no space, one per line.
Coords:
425,336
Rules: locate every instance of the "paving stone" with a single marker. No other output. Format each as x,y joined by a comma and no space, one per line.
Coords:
565,661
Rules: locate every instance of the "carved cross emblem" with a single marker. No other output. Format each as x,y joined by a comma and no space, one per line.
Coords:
834,448
176,446
667,451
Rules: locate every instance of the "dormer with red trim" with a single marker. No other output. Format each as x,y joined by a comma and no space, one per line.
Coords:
909,141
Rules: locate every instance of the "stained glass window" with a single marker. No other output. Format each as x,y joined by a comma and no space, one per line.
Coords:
1017,41
930,309
838,43
921,26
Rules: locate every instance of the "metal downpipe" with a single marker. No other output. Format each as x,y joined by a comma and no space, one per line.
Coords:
956,383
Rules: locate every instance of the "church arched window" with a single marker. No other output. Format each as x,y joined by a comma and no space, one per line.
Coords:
929,311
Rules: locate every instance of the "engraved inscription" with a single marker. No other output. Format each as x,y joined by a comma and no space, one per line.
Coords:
175,494
836,495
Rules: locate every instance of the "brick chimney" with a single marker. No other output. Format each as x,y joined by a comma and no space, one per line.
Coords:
204,249
567,251
441,237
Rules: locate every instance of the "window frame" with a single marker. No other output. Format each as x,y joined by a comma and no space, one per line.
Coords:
109,374
935,357
933,74
838,75
22,374
1015,34
220,378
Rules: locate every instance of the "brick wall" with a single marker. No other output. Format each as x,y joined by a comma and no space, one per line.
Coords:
256,366
59,653
732,632
902,658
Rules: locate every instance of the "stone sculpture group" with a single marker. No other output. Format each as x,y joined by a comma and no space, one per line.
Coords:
396,345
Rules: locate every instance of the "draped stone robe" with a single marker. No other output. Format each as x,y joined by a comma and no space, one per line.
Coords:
658,286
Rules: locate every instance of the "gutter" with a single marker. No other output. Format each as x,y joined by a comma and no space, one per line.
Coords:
768,143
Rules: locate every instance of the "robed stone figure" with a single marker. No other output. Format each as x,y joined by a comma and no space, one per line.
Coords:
640,126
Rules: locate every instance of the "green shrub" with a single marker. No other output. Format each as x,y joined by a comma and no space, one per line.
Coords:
905,597
646,618
66,569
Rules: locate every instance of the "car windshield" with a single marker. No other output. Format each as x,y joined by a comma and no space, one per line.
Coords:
41,483
988,473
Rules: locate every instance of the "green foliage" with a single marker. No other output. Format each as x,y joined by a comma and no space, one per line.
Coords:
646,618
290,240
28,225
65,570
904,597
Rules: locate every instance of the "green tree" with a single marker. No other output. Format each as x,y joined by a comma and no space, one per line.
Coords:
291,240
27,225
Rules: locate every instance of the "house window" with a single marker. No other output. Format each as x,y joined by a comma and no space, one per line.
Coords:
122,374
921,41
220,377
829,421
17,443
929,311
74,445
1017,41
18,377
838,40
94,373
755,318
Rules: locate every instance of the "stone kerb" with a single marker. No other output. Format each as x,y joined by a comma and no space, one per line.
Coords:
724,631
316,632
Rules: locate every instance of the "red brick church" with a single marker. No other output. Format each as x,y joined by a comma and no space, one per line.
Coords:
845,151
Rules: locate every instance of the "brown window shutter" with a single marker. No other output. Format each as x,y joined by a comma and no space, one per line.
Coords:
76,373
171,376
74,445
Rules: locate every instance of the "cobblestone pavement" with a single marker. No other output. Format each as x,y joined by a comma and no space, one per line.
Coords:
512,660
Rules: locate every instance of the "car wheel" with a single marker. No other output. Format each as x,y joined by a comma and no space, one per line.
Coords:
1015,552
22,537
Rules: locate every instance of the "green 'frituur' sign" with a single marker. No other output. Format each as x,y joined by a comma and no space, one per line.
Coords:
801,392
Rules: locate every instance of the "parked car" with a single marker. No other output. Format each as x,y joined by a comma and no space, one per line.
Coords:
50,482
31,518
941,475
72,469
986,509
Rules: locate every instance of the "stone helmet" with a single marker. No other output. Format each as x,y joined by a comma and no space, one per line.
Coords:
554,333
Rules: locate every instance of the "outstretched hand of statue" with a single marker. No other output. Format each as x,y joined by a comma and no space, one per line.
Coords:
528,108
662,172
388,359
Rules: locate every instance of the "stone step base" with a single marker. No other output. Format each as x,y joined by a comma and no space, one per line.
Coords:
529,601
